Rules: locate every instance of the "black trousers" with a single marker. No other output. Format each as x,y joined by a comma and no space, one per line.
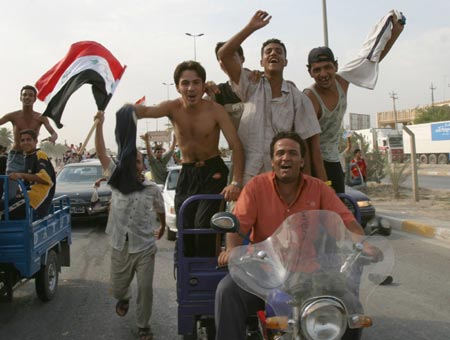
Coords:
207,177
335,175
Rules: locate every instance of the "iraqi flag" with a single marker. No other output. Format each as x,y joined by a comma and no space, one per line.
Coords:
87,62
141,101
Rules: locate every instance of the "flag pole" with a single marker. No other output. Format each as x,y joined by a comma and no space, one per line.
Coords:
94,125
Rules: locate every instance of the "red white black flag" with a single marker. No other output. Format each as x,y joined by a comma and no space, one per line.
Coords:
87,62
141,101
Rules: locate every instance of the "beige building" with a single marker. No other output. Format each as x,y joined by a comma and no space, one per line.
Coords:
405,117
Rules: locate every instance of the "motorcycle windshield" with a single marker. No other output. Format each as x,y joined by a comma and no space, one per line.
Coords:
311,254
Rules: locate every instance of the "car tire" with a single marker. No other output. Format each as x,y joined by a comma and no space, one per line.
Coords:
171,235
46,279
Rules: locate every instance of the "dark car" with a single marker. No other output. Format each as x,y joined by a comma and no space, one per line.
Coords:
76,180
364,204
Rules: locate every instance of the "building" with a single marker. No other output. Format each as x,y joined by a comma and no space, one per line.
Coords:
404,117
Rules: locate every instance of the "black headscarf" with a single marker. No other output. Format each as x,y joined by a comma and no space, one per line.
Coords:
125,177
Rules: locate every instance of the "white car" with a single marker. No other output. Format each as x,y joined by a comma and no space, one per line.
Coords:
168,193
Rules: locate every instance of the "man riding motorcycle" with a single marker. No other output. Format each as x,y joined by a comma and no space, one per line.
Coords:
265,202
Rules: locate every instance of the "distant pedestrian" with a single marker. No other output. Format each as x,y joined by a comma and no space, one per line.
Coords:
358,169
157,159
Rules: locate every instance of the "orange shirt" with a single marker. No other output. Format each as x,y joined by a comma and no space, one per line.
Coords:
261,209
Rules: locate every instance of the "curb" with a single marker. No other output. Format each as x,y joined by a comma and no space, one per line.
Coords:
417,228
433,173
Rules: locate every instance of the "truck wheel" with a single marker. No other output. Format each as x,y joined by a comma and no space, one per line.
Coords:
423,159
442,158
171,235
432,159
46,279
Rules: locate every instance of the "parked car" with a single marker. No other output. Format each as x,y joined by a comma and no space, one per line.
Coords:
76,180
364,203
168,193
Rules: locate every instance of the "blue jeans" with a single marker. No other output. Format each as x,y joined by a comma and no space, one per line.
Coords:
15,163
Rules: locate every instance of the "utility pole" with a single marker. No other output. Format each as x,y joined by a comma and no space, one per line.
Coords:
432,88
394,97
325,22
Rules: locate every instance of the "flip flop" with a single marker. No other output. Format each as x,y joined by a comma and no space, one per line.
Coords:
122,307
145,334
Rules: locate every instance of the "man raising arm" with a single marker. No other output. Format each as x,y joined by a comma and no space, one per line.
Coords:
197,125
274,104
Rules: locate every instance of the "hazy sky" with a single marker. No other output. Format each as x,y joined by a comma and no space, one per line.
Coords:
149,37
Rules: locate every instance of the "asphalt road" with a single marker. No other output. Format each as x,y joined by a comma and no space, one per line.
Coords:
416,306
427,182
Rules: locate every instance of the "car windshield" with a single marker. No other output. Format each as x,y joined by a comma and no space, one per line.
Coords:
172,179
80,174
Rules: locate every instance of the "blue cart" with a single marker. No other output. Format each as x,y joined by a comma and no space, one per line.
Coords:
197,280
34,248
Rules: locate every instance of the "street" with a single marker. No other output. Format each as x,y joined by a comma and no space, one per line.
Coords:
430,182
416,306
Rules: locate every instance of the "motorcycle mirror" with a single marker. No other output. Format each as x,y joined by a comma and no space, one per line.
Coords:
382,228
225,222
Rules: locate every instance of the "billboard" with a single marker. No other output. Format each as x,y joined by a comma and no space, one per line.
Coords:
359,121
160,136
440,131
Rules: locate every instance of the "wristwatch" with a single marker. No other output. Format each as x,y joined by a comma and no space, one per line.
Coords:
237,184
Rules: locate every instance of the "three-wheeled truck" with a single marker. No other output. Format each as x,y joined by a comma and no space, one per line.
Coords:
34,248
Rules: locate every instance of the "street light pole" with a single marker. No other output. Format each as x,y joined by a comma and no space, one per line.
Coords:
195,47
325,22
167,85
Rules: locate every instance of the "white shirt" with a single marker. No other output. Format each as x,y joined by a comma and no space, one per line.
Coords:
363,70
264,117
133,214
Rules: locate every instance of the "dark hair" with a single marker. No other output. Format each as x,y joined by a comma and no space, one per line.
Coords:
240,51
30,132
191,66
273,41
29,87
289,135
157,148
356,151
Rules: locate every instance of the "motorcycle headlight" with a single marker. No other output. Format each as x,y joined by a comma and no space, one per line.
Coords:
323,319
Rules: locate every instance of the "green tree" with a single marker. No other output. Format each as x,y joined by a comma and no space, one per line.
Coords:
6,137
53,150
432,114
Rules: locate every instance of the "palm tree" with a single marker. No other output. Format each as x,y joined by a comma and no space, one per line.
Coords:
6,137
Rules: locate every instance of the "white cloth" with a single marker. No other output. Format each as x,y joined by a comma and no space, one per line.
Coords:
264,117
363,70
133,214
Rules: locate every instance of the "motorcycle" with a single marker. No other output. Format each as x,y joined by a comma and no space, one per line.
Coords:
313,274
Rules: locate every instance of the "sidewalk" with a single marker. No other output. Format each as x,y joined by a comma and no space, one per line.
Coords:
430,217
411,219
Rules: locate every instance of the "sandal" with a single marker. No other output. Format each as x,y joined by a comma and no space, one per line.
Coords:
122,307
145,334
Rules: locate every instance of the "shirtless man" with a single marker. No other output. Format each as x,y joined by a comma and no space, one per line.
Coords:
329,97
197,125
272,104
25,119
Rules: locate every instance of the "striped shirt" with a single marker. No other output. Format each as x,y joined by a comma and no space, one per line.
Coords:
264,117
